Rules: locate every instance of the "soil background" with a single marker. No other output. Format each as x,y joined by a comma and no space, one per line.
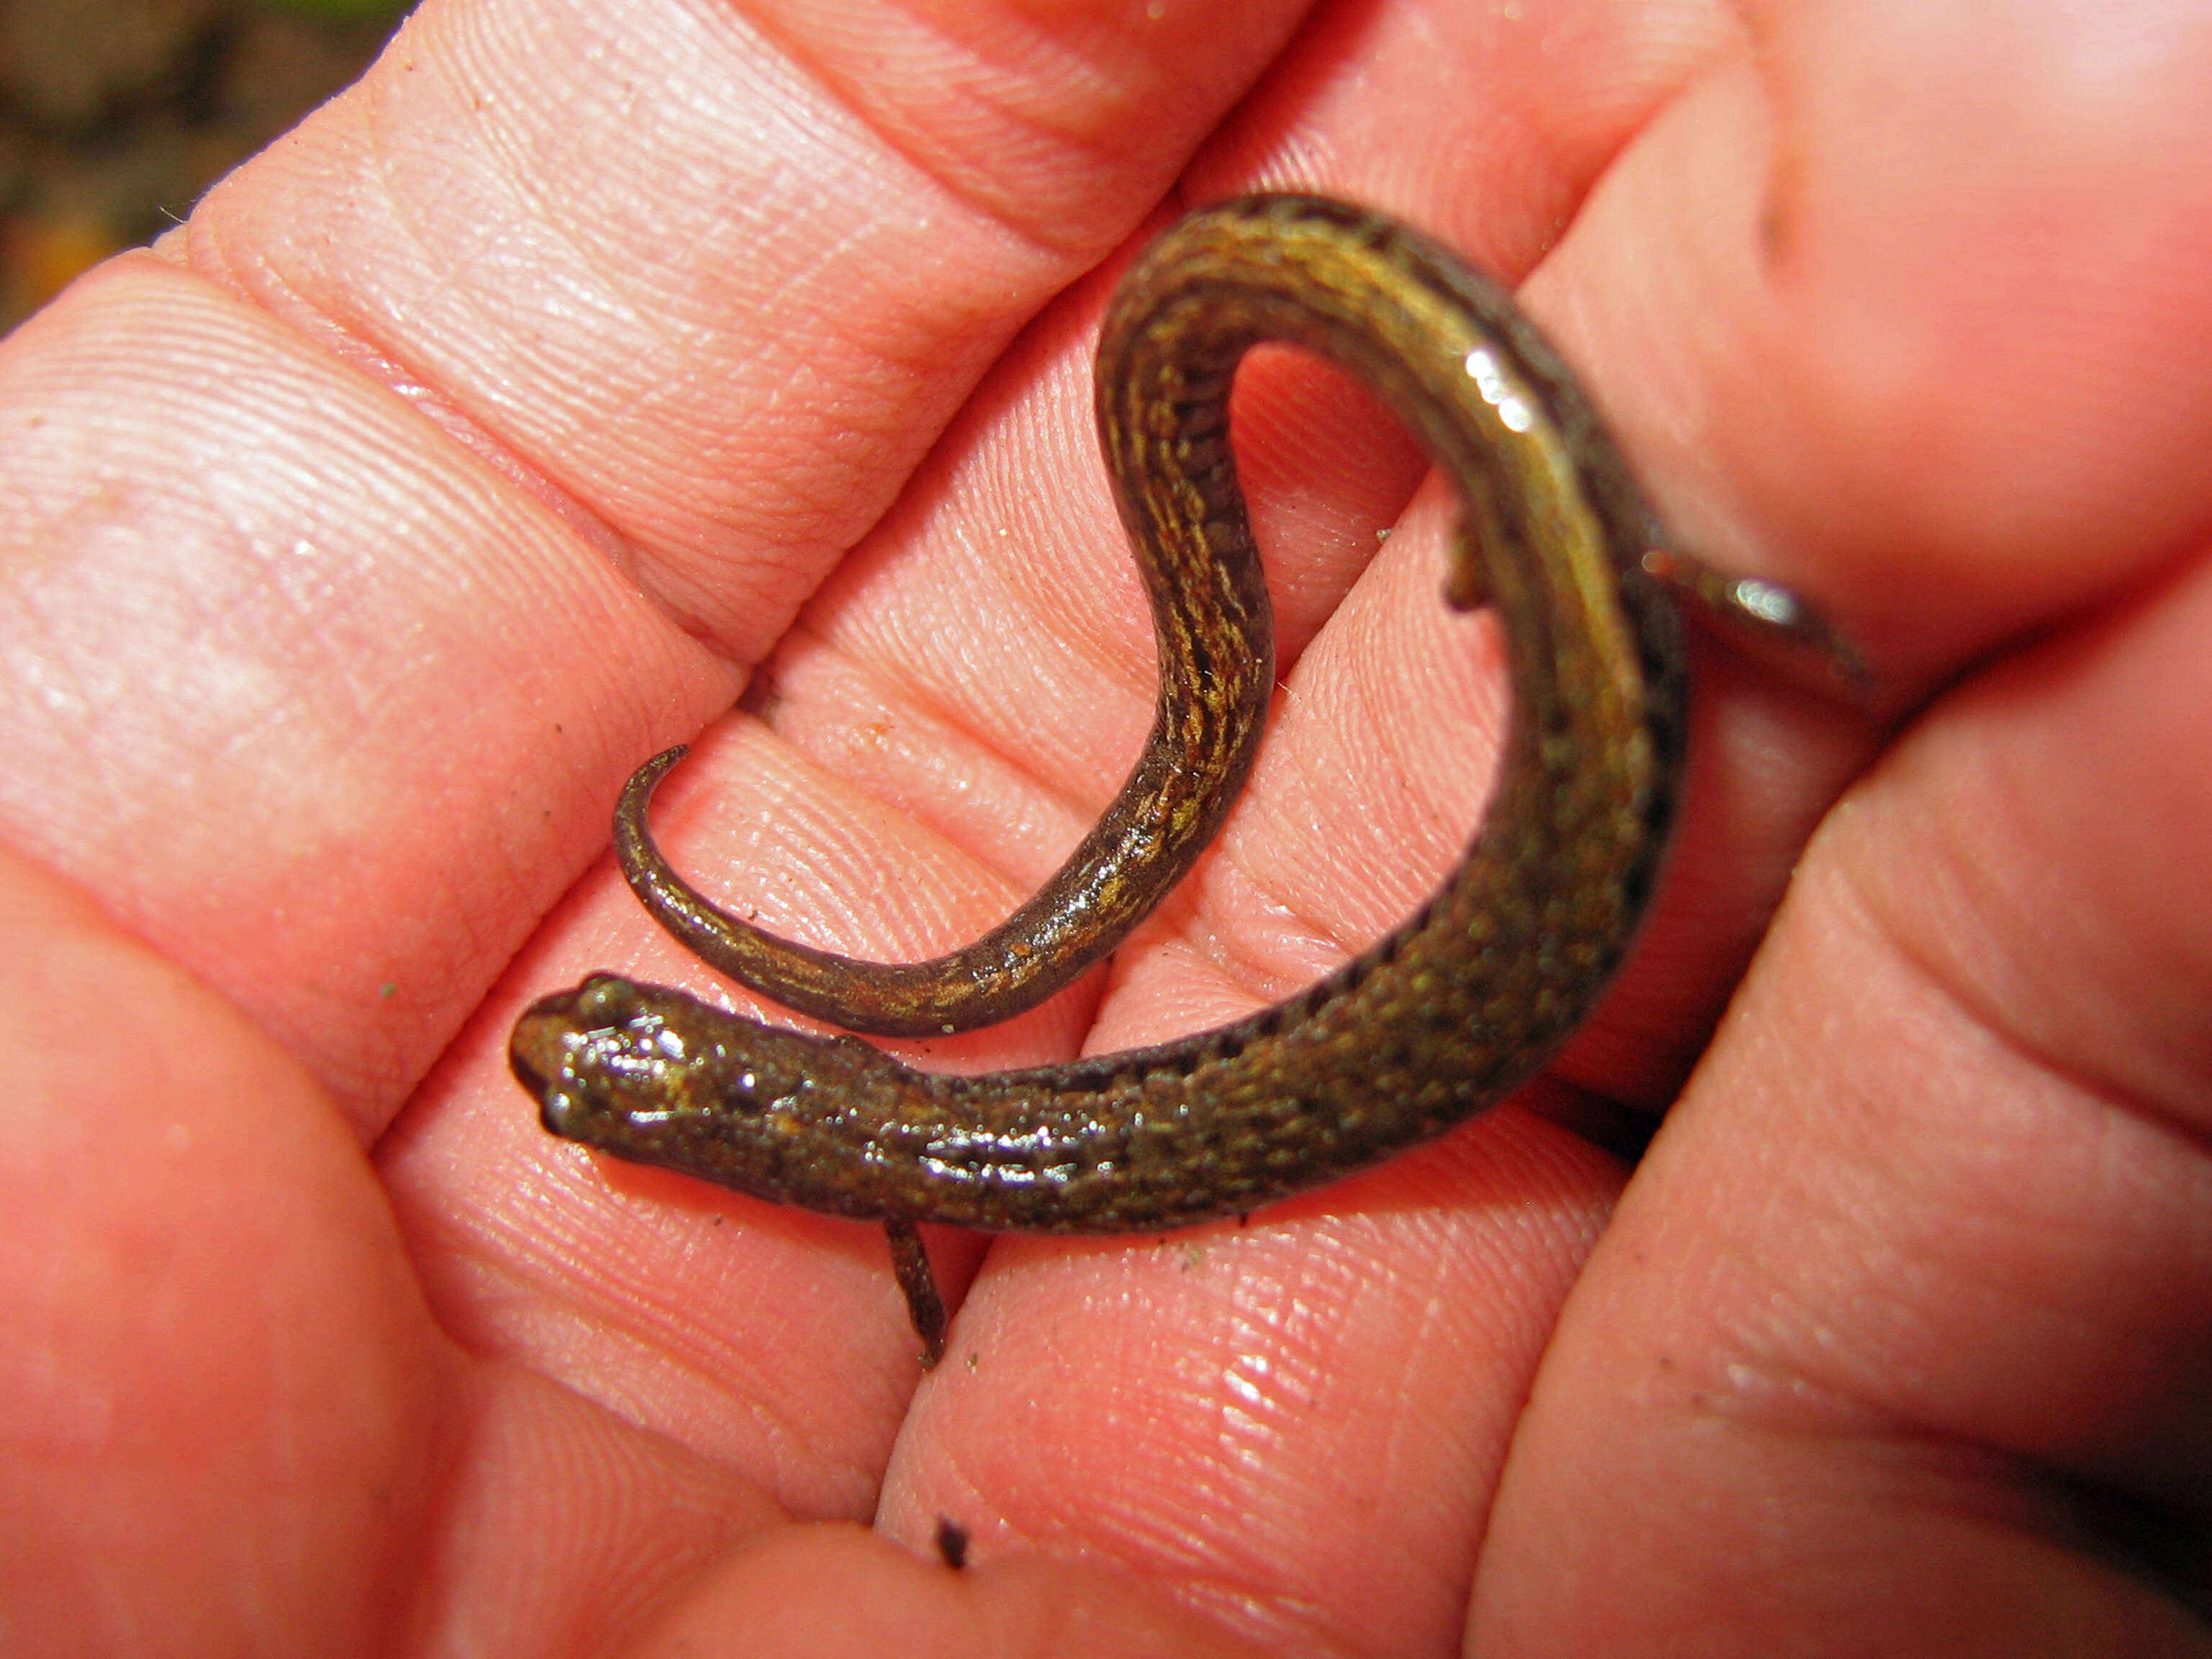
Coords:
116,115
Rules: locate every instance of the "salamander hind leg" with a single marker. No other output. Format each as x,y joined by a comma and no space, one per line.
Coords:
1766,617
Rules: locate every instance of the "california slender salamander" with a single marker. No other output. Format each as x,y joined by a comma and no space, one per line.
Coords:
1466,1001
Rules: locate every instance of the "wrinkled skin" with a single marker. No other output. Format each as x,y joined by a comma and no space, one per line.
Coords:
590,364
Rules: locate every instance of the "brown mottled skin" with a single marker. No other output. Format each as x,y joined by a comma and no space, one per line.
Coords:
1468,1000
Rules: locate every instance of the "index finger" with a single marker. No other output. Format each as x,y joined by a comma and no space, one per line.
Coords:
331,707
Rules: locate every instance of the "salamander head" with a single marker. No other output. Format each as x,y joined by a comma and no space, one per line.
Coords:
651,1074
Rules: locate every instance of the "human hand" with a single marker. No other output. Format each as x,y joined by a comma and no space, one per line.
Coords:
319,708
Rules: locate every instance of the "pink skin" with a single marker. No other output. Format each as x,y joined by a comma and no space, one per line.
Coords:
588,364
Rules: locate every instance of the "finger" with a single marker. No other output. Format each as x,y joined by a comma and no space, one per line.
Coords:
560,1528
358,697
1295,1424
215,1369
781,244
1909,1301
826,1591
1906,311
246,708
228,1421
1936,359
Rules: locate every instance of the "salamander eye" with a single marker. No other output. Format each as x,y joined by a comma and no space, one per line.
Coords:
603,997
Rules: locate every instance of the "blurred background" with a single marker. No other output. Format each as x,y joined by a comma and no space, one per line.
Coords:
115,115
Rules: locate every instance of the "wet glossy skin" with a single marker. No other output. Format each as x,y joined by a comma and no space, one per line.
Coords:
1466,1001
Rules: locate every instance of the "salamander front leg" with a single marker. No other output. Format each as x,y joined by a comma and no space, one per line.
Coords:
924,1306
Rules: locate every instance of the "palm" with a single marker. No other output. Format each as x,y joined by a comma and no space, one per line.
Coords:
358,701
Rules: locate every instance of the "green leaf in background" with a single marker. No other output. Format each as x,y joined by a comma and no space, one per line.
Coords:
340,11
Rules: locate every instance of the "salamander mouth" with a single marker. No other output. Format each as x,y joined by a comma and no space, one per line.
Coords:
526,1073
560,1108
